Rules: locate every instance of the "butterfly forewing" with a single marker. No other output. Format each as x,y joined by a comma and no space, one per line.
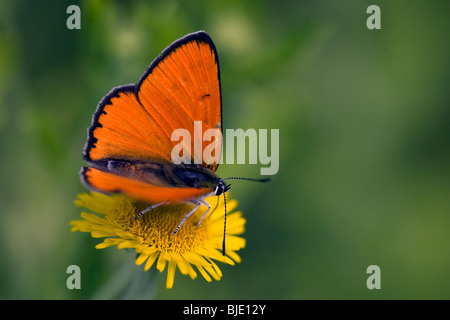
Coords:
183,86
123,129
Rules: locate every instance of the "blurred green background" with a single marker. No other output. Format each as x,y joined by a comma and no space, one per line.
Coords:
363,115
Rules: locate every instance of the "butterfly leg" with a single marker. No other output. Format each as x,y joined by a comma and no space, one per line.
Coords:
148,209
207,210
197,204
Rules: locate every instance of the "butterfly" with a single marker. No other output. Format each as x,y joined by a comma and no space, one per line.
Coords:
129,145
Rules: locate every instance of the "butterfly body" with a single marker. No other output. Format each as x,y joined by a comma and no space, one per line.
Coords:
160,173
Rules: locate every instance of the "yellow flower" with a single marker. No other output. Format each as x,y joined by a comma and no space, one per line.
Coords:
152,234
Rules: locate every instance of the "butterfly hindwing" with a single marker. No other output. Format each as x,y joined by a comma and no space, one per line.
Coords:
110,183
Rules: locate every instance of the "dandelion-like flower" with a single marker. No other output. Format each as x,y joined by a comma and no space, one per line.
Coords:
152,234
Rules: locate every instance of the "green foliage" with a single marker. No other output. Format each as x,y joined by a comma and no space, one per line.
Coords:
364,142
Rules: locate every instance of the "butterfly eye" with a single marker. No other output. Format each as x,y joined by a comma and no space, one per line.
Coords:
219,188
222,188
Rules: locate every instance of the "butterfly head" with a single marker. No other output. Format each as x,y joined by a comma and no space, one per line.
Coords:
222,187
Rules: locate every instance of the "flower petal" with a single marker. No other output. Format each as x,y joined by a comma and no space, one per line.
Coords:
170,273
151,259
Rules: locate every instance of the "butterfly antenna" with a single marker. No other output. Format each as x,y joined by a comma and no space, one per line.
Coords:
217,203
224,223
248,179
225,203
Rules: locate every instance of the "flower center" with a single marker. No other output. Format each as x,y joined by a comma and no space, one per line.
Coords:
156,227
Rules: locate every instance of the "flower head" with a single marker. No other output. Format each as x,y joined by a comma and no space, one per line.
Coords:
152,234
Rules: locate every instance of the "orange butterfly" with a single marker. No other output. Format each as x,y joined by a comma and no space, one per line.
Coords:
129,141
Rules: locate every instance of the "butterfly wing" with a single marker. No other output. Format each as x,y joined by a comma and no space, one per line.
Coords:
181,86
135,123
122,129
